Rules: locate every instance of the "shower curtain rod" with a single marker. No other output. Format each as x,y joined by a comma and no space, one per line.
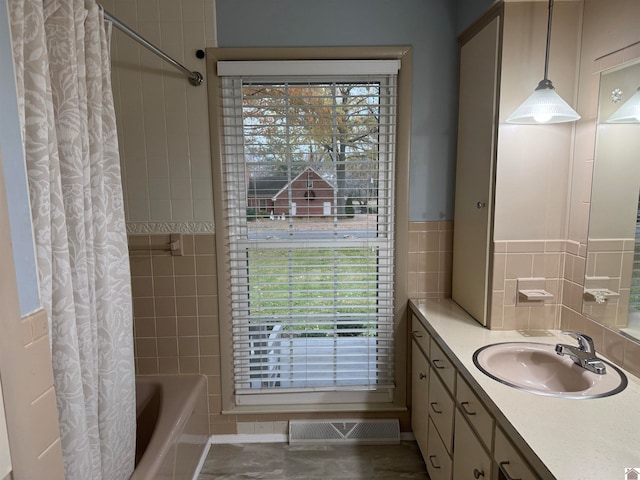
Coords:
195,78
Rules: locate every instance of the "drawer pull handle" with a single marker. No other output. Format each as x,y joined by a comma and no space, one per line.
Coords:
433,407
438,364
433,464
465,408
478,473
416,334
422,376
505,473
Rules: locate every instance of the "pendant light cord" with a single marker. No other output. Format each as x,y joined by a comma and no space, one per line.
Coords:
546,56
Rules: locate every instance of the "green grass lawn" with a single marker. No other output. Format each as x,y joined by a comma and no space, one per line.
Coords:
313,290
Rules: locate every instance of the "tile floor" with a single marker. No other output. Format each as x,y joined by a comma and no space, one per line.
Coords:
282,461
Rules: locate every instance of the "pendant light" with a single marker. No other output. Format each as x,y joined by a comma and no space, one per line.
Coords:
544,105
629,112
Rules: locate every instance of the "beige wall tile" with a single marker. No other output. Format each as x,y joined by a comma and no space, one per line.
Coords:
187,307
189,364
38,367
147,366
613,347
144,327
188,346
165,306
168,365
187,326
519,265
167,346
162,265
146,347
185,265
166,326
632,356
162,286
143,307
185,286
140,265
45,416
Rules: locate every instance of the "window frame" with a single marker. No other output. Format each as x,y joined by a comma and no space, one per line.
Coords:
364,401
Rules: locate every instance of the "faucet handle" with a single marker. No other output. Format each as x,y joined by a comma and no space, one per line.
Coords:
585,342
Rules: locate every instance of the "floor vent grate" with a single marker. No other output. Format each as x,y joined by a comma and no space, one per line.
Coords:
344,431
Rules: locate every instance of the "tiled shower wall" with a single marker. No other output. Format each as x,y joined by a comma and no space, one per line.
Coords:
163,123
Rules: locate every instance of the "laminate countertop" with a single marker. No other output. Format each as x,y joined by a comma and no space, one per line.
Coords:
586,439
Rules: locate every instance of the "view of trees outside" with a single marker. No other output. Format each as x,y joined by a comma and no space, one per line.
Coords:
332,128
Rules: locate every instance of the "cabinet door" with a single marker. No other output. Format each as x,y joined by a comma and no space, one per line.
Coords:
475,171
419,397
470,460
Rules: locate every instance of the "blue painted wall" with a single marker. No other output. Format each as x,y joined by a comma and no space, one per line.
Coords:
427,25
468,11
15,176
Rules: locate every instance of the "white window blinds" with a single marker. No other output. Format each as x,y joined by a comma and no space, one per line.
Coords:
308,168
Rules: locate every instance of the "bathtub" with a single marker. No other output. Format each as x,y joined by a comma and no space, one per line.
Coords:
172,426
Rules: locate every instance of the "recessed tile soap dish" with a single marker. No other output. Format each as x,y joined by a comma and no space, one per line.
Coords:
531,292
535,294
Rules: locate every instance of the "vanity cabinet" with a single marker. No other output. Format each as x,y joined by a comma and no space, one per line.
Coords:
458,436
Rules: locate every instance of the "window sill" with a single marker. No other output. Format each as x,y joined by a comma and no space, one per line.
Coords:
314,408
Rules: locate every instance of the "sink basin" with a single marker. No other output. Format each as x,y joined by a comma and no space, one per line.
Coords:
537,368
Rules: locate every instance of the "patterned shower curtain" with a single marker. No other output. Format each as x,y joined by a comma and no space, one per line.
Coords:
61,55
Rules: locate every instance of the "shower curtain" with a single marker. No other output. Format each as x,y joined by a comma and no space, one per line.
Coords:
61,57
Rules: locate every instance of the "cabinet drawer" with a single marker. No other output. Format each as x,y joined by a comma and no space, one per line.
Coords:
471,460
474,412
437,459
443,366
420,334
509,462
441,409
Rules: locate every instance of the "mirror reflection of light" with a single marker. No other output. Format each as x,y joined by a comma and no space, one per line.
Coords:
629,112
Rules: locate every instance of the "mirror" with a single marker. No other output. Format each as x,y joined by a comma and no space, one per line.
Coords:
612,275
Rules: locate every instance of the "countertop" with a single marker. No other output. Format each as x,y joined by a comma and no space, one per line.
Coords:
587,439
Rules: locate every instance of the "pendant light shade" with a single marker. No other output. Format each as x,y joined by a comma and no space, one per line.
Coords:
629,112
544,105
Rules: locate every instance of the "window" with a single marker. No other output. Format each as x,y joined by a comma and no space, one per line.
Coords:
308,166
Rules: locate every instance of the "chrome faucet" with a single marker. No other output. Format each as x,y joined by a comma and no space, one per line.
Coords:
584,354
